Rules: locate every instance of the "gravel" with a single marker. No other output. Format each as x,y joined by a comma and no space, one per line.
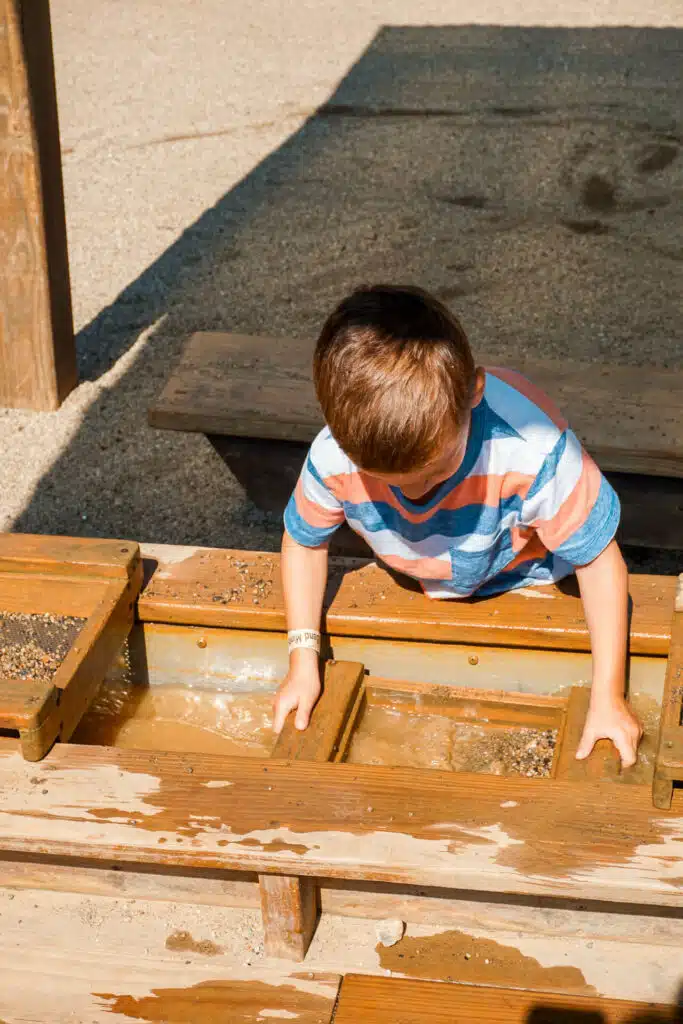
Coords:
34,646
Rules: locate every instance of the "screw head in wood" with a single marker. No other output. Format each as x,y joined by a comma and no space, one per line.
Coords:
473,659
201,643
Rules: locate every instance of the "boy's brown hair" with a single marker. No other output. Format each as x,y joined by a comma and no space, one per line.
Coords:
394,375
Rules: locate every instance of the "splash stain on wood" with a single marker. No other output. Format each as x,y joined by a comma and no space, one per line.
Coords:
457,956
219,1002
182,942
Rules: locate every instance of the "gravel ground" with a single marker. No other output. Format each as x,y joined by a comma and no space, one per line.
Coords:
529,173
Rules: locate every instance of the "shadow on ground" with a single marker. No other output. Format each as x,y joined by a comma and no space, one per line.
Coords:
532,178
558,1015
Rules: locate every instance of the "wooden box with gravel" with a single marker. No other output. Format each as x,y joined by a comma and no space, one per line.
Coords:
66,608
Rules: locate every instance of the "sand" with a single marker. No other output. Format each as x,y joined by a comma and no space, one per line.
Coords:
490,164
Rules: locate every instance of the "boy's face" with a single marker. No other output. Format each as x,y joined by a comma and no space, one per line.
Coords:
419,483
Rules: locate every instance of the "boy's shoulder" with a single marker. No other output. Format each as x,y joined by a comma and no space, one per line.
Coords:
326,457
522,410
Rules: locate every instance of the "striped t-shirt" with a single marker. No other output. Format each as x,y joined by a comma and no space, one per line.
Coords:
526,505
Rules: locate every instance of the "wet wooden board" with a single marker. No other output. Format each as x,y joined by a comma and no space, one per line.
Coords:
205,586
669,760
290,905
630,420
37,353
405,1001
401,826
321,740
603,763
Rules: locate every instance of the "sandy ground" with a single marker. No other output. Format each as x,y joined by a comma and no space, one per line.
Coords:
67,957
525,168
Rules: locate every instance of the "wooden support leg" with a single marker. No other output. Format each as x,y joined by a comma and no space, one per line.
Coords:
290,913
669,761
290,905
37,350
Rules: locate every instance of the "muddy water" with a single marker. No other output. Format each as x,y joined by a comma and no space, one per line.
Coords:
181,719
389,737
386,736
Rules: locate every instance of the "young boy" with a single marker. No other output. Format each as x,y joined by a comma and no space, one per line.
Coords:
466,479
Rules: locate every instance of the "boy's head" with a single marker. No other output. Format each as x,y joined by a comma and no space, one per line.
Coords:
396,380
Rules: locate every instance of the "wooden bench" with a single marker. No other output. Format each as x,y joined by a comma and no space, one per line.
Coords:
403,1001
245,393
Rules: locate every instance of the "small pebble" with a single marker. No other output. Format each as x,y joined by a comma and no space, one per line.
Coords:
390,932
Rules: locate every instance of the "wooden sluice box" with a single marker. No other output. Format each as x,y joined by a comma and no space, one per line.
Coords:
438,770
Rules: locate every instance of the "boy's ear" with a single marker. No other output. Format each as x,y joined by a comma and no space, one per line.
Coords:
479,385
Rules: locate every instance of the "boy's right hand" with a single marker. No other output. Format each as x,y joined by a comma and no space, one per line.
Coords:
299,690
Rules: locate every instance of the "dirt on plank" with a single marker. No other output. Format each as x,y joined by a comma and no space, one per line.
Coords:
33,646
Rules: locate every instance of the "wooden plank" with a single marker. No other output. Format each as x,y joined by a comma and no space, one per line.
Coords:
603,763
320,741
37,349
261,387
575,919
377,1000
290,904
669,759
68,556
25,703
401,826
205,586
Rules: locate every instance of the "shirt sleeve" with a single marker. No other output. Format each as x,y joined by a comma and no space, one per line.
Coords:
570,504
313,512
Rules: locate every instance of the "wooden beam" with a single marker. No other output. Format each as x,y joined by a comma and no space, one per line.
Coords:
376,1000
669,759
258,387
401,826
37,350
289,904
211,587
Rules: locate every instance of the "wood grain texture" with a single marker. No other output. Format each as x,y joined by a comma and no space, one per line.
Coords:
669,759
401,826
603,763
68,556
289,907
205,586
320,741
37,350
405,1001
260,387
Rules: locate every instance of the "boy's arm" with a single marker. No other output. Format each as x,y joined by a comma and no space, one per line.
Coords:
604,591
304,576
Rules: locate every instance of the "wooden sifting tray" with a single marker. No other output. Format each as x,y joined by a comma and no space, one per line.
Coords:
66,608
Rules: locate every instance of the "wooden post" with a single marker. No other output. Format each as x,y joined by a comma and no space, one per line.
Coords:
37,351
290,905
669,761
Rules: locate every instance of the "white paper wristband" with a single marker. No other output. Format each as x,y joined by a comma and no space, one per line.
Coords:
309,638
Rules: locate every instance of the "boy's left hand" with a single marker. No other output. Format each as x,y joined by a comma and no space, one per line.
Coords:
611,720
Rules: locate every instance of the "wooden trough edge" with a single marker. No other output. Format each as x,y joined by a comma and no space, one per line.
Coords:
242,589
339,821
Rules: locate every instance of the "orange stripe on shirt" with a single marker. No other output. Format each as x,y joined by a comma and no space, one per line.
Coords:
574,512
530,391
358,488
420,568
315,515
